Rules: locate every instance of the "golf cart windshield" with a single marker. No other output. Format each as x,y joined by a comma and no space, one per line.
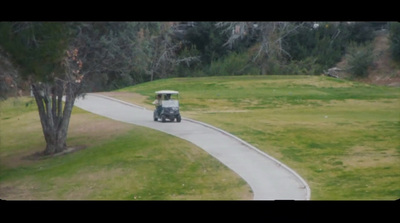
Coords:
170,104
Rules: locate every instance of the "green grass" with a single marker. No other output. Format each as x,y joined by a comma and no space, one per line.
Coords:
133,166
120,162
342,137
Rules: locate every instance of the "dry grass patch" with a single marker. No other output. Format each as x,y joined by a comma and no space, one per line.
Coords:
364,157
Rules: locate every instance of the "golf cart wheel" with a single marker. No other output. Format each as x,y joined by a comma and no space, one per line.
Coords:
163,118
155,116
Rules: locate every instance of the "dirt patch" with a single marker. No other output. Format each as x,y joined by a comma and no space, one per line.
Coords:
383,70
85,130
41,155
363,157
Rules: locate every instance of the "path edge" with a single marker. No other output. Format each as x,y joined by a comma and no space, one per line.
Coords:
277,162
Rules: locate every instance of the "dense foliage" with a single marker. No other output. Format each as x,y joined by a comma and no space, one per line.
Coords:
359,58
395,40
36,48
118,54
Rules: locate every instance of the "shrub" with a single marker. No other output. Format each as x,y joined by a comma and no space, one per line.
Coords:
395,40
233,64
359,58
308,66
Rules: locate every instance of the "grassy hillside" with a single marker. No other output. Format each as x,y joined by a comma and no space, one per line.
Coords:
342,137
120,162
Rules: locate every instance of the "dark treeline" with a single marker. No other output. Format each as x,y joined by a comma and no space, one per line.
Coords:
119,54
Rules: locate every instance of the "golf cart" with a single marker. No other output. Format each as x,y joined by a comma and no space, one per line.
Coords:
167,106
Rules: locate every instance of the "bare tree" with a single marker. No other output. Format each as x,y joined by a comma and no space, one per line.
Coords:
157,50
164,52
269,35
107,51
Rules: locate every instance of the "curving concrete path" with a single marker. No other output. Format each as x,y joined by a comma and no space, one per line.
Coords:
268,178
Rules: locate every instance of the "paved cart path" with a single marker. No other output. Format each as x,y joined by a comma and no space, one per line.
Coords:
268,178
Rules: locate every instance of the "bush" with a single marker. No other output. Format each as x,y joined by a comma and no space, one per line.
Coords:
308,66
233,64
359,58
395,40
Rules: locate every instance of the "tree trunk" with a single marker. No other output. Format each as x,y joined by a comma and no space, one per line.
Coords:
54,119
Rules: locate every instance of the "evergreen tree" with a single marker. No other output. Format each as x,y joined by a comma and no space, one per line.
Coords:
394,37
208,40
39,48
64,59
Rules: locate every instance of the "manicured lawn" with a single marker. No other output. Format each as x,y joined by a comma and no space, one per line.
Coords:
342,137
120,162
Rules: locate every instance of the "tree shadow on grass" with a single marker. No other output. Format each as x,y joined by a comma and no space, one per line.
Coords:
41,155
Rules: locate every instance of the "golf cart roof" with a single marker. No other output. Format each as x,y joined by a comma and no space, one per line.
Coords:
167,92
